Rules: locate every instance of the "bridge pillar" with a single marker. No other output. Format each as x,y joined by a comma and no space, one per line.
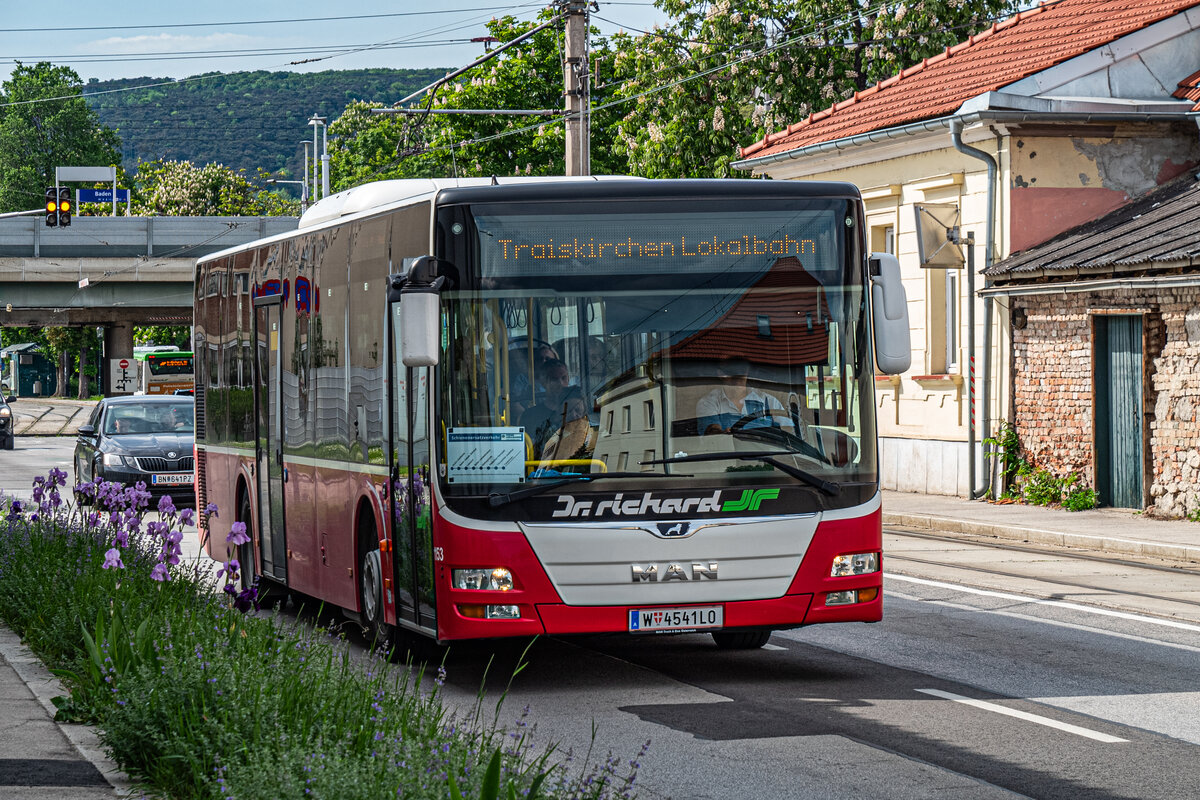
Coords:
118,343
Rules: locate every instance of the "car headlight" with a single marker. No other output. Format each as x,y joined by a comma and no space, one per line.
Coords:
854,564
5,412
496,579
117,460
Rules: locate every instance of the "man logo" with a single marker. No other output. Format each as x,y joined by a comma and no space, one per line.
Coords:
669,530
650,573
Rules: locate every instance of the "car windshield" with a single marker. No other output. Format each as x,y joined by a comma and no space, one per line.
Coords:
151,418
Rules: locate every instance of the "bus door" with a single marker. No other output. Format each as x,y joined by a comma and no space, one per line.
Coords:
411,522
269,431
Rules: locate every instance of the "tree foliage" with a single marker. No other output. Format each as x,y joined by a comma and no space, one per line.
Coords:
723,74
529,75
182,189
177,335
245,120
45,123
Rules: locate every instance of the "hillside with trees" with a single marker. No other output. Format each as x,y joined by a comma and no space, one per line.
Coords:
245,120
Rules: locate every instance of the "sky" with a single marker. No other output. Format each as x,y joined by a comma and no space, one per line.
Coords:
136,38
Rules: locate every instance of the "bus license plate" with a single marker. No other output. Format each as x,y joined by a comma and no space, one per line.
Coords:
676,619
184,479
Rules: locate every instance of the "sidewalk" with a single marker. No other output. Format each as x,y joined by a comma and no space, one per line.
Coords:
1117,531
41,759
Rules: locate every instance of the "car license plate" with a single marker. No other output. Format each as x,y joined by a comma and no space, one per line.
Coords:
676,619
177,479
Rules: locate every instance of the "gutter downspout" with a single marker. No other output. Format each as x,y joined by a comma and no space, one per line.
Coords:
956,127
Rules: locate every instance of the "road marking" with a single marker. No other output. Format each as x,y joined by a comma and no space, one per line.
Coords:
1044,621
1104,612
773,647
1012,712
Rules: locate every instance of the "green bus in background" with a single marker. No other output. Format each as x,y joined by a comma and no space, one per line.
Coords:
164,370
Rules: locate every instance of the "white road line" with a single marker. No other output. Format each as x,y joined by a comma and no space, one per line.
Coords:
773,647
1012,712
1043,621
1104,612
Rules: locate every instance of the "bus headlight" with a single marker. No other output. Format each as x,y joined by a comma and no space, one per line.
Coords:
495,579
854,564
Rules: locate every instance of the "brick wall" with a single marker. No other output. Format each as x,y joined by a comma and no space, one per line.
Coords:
1053,387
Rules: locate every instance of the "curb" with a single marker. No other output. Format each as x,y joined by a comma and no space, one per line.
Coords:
1130,547
44,686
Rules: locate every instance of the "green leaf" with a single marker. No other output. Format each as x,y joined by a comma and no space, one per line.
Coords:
491,779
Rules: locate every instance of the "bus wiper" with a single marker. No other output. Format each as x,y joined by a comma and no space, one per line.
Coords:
766,457
497,499
777,436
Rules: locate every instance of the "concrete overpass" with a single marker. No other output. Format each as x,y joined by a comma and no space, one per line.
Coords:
114,272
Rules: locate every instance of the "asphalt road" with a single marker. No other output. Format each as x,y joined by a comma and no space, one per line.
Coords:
33,456
997,672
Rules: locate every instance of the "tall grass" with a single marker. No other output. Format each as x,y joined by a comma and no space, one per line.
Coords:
197,699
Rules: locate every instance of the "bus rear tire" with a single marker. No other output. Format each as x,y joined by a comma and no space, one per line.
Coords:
740,640
370,590
245,552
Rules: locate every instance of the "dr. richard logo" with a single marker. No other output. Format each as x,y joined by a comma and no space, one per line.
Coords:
620,506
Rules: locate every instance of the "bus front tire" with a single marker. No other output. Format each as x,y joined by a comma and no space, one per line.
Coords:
740,640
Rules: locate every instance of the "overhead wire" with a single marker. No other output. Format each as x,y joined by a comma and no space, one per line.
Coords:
653,90
452,25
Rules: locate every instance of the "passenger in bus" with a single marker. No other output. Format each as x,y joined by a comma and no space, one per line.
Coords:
547,415
721,408
575,437
522,392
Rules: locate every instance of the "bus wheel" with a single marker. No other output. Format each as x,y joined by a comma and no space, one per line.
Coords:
740,640
245,552
370,588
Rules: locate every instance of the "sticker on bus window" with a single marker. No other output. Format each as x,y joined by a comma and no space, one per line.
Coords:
485,455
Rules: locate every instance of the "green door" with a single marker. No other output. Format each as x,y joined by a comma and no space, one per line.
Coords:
1118,383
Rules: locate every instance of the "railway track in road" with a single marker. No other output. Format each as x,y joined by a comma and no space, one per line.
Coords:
1143,586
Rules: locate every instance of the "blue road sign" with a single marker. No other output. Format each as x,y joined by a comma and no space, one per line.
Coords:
102,195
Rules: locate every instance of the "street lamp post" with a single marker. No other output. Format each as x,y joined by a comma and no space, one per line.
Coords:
303,191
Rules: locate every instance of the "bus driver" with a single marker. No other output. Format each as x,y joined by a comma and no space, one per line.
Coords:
721,408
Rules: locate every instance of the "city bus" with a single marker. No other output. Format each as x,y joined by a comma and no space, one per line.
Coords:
165,371
705,352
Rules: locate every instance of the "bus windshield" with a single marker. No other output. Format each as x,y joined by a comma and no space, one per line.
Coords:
599,340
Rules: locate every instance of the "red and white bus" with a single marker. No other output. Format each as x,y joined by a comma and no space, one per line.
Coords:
381,397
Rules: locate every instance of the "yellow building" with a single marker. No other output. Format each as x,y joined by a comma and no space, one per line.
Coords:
1054,117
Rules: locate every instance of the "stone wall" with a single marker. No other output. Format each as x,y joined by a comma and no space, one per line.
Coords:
1053,386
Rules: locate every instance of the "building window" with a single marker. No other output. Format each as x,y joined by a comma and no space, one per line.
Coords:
648,414
883,239
951,320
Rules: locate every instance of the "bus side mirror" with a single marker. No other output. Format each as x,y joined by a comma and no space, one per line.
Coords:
420,312
889,315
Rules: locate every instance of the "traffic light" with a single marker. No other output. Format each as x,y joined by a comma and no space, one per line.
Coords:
64,207
51,207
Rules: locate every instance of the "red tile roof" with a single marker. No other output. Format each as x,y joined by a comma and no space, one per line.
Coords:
1189,89
1008,51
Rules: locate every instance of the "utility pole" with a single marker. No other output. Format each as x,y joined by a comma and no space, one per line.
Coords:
576,79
